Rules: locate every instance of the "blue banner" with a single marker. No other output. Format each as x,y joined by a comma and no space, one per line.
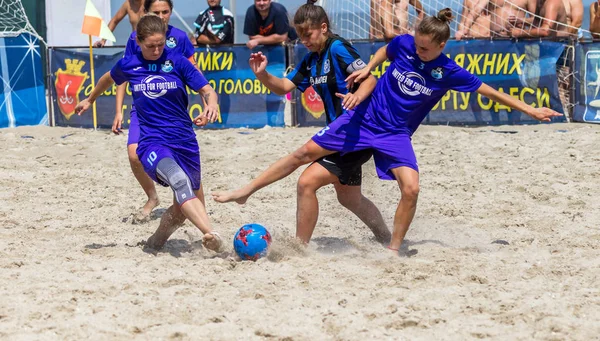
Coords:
23,99
587,94
525,70
243,100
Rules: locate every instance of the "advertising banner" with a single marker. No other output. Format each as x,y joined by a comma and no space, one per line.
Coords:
525,70
587,91
23,99
243,100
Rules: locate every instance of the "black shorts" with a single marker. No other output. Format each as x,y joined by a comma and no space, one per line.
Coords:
348,168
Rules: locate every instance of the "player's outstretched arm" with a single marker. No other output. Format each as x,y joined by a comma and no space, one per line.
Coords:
258,63
103,84
541,114
360,75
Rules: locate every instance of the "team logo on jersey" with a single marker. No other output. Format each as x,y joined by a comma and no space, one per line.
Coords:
154,86
437,73
326,67
312,102
412,83
167,66
171,42
68,85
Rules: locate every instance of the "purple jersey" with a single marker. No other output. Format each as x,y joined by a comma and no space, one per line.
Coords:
159,94
177,42
410,88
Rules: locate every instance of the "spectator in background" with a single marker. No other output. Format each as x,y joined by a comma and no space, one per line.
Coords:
389,18
505,12
401,24
558,19
378,8
267,23
595,20
474,20
214,25
574,10
134,9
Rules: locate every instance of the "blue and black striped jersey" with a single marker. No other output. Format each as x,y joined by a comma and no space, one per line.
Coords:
327,72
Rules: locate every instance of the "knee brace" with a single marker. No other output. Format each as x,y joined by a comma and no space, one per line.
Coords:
170,172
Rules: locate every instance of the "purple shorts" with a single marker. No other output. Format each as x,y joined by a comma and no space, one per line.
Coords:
357,131
133,136
186,154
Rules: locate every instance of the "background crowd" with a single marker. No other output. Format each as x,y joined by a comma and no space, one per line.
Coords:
266,22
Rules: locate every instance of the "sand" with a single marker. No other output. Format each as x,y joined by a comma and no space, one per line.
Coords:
506,235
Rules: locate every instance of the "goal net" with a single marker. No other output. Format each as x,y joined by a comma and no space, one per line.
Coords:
473,19
13,20
384,19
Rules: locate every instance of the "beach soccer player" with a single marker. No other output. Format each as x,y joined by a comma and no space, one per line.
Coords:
330,60
177,43
418,77
167,147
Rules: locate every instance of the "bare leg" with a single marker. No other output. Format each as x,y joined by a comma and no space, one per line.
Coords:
170,221
408,181
285,166
307,209
352,198
200,194
315,177
193,210
144,181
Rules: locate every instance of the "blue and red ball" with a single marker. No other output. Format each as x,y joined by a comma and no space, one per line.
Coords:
252,242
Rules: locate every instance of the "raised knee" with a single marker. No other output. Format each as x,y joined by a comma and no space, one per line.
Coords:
410,191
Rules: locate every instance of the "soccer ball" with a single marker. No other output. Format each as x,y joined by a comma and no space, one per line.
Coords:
251,242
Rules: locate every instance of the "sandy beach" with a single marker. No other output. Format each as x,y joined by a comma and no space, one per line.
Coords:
506,240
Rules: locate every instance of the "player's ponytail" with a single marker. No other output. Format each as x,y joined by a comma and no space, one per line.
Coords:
445,15
310,16
437,27
148,25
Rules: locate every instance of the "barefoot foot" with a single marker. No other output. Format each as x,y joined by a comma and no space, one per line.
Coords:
212,241
154,243
143,215
237,196
150,205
